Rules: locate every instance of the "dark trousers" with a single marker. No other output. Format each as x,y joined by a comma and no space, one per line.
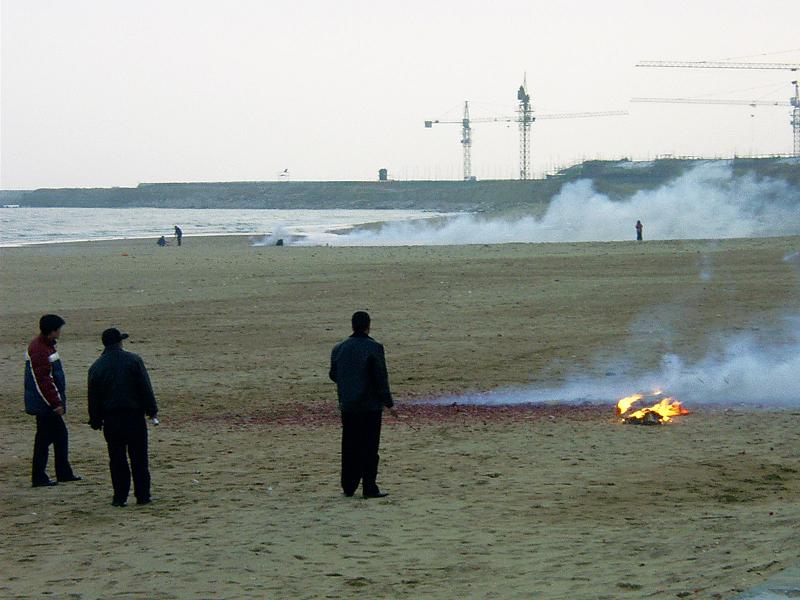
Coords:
638,236
361,436
126,437
50,429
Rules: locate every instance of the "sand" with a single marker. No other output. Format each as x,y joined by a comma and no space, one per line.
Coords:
530,502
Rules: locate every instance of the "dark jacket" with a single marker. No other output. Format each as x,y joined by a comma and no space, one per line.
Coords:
45,383
118,382
358,367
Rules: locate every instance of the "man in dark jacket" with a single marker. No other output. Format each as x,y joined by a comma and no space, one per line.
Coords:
358,367
46,399
120,395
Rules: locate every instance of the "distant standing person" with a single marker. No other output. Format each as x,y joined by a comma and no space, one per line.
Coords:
46,399
639,228
120,395
178,234
358,367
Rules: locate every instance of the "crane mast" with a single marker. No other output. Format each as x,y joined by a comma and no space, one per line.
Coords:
466,141
795,101
526,117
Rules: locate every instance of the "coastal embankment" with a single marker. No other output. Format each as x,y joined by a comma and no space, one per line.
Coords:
616,179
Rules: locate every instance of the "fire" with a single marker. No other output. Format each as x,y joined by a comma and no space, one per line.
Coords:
660,412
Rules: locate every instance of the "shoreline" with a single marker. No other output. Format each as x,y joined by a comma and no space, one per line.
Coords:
343,230
154,238
298,223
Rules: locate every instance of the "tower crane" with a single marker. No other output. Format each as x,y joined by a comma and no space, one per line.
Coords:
524,118
794,101
466,138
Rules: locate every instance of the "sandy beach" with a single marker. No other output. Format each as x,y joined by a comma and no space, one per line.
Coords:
545,501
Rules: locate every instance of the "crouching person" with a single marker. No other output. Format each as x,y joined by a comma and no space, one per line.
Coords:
120,395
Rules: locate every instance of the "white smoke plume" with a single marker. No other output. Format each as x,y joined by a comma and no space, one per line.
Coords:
270,239
708,201
741,370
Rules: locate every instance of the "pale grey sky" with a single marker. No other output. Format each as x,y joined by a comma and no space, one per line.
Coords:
113,93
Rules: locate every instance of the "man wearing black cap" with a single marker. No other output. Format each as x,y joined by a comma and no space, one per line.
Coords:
358,367
120,395
46,399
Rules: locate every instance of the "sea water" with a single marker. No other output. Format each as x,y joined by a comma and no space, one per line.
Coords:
23,226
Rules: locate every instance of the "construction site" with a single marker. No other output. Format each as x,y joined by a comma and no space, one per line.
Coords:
616,178
525,114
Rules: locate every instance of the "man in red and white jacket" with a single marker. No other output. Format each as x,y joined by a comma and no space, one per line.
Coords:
46,399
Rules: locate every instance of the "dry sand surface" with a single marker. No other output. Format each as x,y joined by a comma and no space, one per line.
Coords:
523,502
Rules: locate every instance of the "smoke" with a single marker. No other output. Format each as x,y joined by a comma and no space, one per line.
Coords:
707,201
739,370
270,239
742,372
745,371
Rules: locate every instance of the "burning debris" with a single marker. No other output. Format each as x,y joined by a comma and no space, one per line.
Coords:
662,410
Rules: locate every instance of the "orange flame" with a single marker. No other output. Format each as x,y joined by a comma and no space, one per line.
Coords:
665,408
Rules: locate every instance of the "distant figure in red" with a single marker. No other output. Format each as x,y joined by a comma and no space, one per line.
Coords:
639,228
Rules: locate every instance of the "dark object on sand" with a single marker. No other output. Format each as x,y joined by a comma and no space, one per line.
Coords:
649,418
279,242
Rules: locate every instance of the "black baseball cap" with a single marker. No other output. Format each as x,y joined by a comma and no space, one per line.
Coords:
112,336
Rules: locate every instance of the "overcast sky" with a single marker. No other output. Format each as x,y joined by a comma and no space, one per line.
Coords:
113,93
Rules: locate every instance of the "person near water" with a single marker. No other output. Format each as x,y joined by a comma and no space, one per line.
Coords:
358,367
178,234
162,241
46,399
639,228
119,397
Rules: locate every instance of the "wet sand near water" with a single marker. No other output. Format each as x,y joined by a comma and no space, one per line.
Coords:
545,501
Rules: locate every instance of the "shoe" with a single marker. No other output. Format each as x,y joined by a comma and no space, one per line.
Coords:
47,483
119,503
144,501
348,494
375,494
72,478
